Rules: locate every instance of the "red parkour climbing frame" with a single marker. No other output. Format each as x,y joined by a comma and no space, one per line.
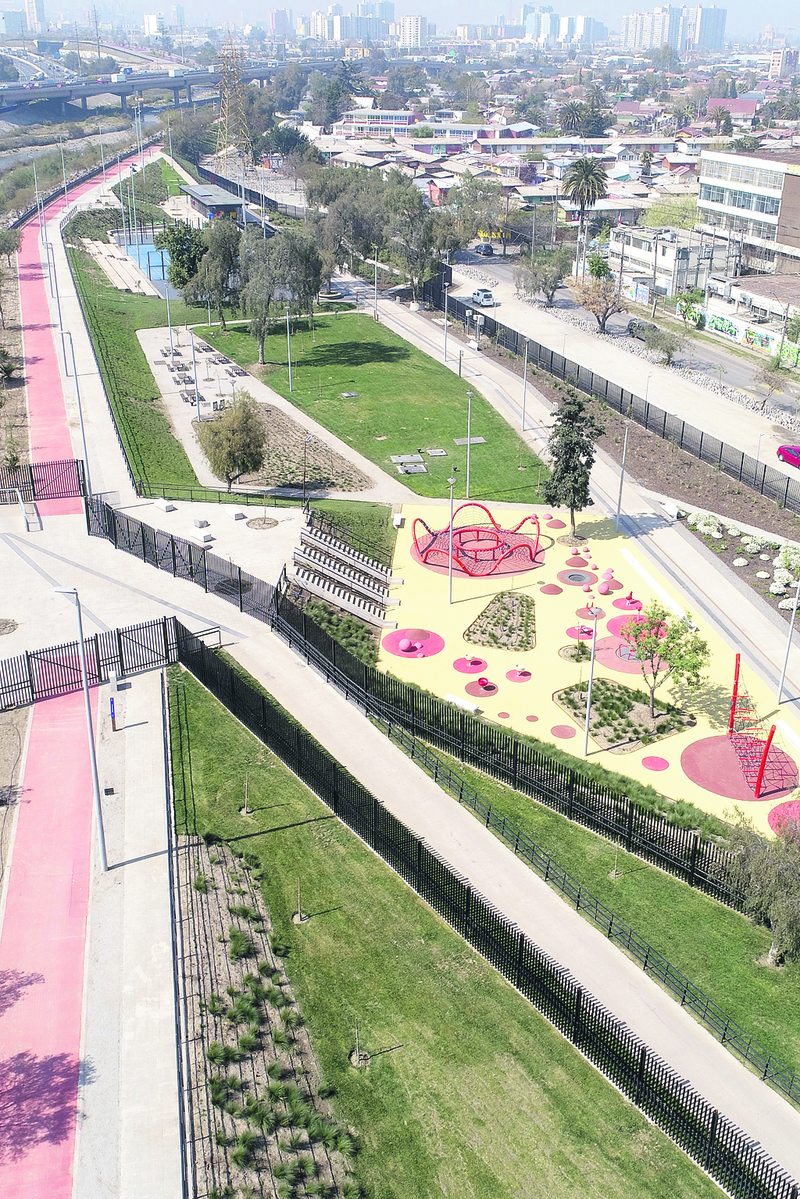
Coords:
747,735
478,549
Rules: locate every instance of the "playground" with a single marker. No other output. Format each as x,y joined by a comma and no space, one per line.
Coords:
498,614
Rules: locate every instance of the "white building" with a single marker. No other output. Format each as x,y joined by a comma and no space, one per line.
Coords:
34,16
683,29
154,24
413,33
783,64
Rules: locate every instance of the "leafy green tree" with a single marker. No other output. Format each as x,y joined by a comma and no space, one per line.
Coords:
646,163
598,267
667,647
571,447
258,302
192,134
766,873
8,72
769,379
479,204
678,213
662,342
329,99
234,441
686,303
544,274
10,241
217,279
793,328
600,297
8,366
186,247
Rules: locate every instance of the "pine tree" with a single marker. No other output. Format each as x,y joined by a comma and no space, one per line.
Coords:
572,450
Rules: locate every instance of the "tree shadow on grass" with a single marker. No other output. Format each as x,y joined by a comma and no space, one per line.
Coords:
38,1100
355,353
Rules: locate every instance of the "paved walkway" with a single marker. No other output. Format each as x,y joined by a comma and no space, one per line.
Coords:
42,958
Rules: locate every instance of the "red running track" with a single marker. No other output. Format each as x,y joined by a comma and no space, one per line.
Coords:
42,957
50,438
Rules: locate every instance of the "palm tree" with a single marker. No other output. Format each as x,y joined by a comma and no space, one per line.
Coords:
571,116
585,182
646,161
717,114
596,97
683,113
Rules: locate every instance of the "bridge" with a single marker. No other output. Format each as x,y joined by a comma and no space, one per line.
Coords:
177,80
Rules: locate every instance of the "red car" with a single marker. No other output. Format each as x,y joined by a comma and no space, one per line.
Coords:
790,454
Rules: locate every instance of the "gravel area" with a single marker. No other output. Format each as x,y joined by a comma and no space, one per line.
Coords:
13,727
285,451
13,401
758,560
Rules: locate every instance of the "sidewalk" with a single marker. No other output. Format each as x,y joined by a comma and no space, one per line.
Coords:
667,389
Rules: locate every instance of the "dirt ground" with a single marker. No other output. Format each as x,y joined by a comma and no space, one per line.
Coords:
13,727
659,465
285,449
13,402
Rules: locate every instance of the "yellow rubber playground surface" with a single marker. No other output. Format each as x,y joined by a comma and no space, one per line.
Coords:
436,647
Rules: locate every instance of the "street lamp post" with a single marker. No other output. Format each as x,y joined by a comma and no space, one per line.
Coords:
622,476
375,263
306,442
194,372
789,643
524,384
469,439
446,290
593,613
79,401
63,172
169,320
102,151
72,593
289,349
451,484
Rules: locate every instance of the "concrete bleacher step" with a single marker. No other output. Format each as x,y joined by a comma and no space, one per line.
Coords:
326,543
325,589
354,580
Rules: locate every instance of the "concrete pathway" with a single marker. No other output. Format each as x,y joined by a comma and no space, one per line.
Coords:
42,958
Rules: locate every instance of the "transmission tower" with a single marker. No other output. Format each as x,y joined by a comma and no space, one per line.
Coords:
232,132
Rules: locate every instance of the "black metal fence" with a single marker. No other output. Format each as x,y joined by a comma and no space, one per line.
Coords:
56,670
618,931
180,558
737,1163
42,481
506,756
740,466
251,195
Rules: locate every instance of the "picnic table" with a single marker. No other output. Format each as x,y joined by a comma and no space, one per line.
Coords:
220,360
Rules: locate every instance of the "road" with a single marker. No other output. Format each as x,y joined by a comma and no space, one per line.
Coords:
716,361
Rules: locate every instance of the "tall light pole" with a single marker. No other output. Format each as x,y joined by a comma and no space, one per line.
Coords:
194,372
102,151
469,438
289,349
789,643
169,320
306,443
79,401
621,476
594,614
375,262
524,384
63,172
72,594
451,484
446,291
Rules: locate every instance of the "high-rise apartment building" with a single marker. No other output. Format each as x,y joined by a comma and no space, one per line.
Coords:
413,33
153,24
682,29
34,16
783,64
279,23
704,28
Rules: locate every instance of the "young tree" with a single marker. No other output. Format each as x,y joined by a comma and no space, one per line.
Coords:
10,240
646,162
662,342
8,367
234,441
667,647
599,296
598,267
769,379
571,446
686,304
544,274
767,875
185,247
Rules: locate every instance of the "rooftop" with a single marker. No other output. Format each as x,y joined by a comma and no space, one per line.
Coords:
211,195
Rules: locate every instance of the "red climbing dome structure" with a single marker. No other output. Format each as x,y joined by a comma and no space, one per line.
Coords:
478,549
752,742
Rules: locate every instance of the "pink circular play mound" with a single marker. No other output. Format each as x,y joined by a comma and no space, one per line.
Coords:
518,676
613,653
480,548
618,623
563,731
532,719
481,690
556,524
550,589
580,632
784,814
625,604
590,613
413,643
712,763
655,763
469,665
503,715
576,578
576,560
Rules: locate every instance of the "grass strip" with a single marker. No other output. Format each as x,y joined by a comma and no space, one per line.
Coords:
385,397
471,1093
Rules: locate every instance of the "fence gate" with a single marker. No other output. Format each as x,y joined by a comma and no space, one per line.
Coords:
57,669
143,646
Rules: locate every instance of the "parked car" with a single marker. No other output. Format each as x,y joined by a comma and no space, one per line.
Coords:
790,454
641,329
485,249
483,298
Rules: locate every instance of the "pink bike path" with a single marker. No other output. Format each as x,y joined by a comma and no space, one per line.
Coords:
50,439
42,957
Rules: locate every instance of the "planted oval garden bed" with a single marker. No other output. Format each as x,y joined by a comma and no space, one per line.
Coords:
620,719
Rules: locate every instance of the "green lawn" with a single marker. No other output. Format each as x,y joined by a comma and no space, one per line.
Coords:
405,401
716,947
366,526
113,317
171,179
475,1096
